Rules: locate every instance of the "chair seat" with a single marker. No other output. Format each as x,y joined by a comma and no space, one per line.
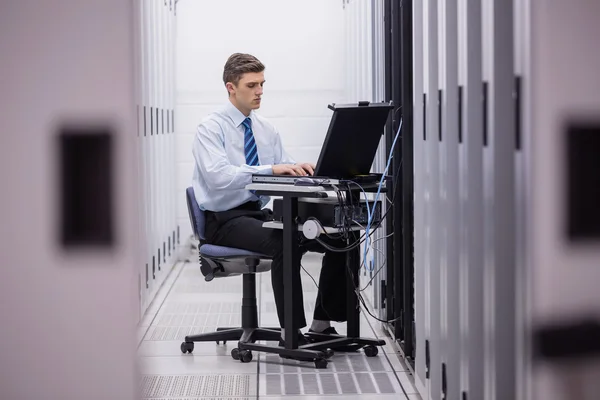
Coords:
221,261
211,250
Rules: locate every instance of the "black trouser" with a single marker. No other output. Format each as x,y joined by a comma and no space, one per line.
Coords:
242,228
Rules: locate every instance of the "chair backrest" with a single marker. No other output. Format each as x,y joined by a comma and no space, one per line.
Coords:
197,218
225,261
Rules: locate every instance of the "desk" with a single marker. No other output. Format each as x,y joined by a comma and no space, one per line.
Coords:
292,258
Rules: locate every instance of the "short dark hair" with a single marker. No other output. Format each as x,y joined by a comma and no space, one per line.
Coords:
238,64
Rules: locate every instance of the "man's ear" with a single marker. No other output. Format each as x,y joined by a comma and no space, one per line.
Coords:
230,87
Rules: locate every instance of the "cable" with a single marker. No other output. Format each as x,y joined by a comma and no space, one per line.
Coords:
371,213
357,290
372,244
318,291
383,176
374,317
362,301
379,270
363,237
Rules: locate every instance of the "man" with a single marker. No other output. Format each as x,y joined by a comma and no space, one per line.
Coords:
231,145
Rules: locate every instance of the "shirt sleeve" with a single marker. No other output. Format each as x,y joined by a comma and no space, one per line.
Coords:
212,161
281,156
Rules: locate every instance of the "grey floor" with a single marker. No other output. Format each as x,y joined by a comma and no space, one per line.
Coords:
186,304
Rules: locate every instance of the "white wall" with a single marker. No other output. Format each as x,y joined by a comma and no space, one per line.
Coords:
302,47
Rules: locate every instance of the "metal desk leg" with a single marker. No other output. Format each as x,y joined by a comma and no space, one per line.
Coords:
291,261
352,341
352,313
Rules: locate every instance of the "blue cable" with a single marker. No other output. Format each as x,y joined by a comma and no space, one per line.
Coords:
369,213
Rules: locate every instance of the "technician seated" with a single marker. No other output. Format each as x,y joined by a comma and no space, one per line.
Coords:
232,144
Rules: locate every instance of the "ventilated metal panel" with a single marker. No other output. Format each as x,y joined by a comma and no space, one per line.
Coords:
178,319
200,398
232,284
340,363
179,332
194,386
200,307
328,383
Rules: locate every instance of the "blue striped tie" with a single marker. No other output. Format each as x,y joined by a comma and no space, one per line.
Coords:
249,144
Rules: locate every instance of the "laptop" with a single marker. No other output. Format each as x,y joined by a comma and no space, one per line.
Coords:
349,147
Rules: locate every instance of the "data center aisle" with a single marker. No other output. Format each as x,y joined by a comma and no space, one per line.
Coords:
187,304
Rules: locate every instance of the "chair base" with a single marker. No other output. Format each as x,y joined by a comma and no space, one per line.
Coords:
247,338
243,335
343,343
249,333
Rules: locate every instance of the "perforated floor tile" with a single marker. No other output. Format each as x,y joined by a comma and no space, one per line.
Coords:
178,319
195,306
190,364
340,362
394,396
194,386
232,284
328,383
199,398
165,348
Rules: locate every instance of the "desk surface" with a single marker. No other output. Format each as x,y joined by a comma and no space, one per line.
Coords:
309,191
282,187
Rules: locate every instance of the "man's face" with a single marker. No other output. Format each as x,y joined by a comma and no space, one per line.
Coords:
249,90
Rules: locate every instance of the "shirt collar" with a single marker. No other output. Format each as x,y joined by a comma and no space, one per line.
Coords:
236,115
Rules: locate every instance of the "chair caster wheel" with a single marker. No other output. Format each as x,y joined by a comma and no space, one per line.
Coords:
371,351
321,363
224,342
187,347
245,356
235,353
329,353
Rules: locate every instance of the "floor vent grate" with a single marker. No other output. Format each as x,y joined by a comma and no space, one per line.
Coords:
195,386
316,384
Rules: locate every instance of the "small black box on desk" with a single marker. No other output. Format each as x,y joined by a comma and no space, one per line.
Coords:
329,212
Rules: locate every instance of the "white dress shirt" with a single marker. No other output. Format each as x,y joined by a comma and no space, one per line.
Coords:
220,172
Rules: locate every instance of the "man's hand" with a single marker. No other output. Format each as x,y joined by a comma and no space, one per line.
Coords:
308,168
288,169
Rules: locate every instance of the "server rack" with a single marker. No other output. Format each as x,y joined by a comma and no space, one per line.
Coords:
399,297
448,156
471,199
419,122
155,82
560,144
499,199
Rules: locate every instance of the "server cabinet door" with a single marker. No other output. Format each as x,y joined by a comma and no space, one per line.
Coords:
562,148
432,198
448,138
499,200
68,207
470,139
420,204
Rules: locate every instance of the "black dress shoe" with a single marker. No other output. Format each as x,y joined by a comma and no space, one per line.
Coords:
329,331
301,340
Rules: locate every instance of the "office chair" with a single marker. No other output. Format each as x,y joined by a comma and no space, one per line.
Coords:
218,262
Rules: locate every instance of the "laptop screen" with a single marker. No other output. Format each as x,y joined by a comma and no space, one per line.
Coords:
352,139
